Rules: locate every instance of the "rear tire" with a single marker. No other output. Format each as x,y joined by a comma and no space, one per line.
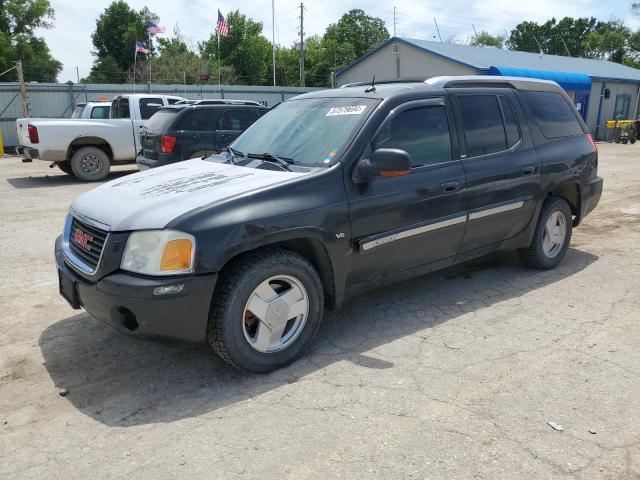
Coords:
90,164
266,310
66,168
552,236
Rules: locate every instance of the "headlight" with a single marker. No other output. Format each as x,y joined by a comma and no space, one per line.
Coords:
159,252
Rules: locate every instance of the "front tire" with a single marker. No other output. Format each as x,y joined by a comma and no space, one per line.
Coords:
552,236
266,310
90,164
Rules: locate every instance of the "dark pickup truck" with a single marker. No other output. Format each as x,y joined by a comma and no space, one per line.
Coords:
327,195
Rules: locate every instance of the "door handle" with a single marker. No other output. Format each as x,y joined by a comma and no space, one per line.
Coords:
451,186
528,170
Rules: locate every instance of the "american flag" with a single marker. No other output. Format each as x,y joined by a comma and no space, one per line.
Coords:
153,29
141,48
223,26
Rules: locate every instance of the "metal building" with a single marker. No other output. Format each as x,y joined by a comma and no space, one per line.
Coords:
600,89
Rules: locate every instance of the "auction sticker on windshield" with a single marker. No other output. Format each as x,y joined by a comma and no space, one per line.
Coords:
346,110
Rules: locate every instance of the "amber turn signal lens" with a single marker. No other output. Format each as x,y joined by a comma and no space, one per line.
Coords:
394,173
177,255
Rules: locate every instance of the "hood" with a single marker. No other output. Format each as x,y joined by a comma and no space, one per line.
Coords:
153,198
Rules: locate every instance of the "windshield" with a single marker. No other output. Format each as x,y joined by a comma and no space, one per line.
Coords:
310,131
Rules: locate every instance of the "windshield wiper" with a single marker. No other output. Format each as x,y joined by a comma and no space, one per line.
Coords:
233,154
269,157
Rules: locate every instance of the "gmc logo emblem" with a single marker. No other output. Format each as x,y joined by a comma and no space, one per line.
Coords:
81,238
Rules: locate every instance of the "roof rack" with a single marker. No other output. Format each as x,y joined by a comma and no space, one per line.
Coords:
386,81
492,81
221,101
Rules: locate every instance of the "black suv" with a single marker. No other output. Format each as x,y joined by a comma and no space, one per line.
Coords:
194,129
330,194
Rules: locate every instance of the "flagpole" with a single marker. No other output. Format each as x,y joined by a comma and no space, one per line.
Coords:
135,59
149,59
219,64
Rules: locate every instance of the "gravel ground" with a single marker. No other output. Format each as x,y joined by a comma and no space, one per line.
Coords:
449,376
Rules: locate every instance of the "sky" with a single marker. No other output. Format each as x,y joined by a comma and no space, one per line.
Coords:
70,38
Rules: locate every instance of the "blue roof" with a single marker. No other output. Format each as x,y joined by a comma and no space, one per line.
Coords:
483,58
567,80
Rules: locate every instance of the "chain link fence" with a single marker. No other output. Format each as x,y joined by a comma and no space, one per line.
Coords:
54,100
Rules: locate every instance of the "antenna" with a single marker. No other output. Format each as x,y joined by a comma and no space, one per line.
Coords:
565,47
538,43
438,30
371,88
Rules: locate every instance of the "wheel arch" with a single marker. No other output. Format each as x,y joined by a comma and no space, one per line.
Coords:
570,192
81,142
311,249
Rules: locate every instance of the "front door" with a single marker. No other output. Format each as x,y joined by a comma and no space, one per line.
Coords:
399,223
501,166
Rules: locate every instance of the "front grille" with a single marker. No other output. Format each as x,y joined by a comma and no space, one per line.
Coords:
86,242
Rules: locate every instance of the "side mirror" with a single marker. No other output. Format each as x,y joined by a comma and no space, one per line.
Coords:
384,162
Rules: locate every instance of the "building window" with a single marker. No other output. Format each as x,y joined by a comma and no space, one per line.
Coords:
621,110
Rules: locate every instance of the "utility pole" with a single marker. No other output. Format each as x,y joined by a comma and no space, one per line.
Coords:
394,21
23,90
396,46
273,38
302,44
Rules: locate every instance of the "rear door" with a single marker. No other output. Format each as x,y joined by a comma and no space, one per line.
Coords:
501,166
190,137
231,124
403,222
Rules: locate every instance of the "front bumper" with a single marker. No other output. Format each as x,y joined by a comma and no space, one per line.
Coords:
590,193
127,303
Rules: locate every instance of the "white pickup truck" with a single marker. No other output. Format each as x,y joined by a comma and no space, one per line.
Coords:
88,148
93,110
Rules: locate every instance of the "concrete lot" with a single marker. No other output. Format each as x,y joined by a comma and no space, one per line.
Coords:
451,376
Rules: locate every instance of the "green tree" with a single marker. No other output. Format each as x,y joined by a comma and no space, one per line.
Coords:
117,30
485,39
358,29
564,37
609,41
18,21
245,48
175,62
105,70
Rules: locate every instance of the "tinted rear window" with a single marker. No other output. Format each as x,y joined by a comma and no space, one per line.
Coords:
195,120
161,119
553,114
237,119
120,108
149,106
510,122
482,123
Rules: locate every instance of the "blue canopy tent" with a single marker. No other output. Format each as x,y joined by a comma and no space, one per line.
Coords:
577,82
